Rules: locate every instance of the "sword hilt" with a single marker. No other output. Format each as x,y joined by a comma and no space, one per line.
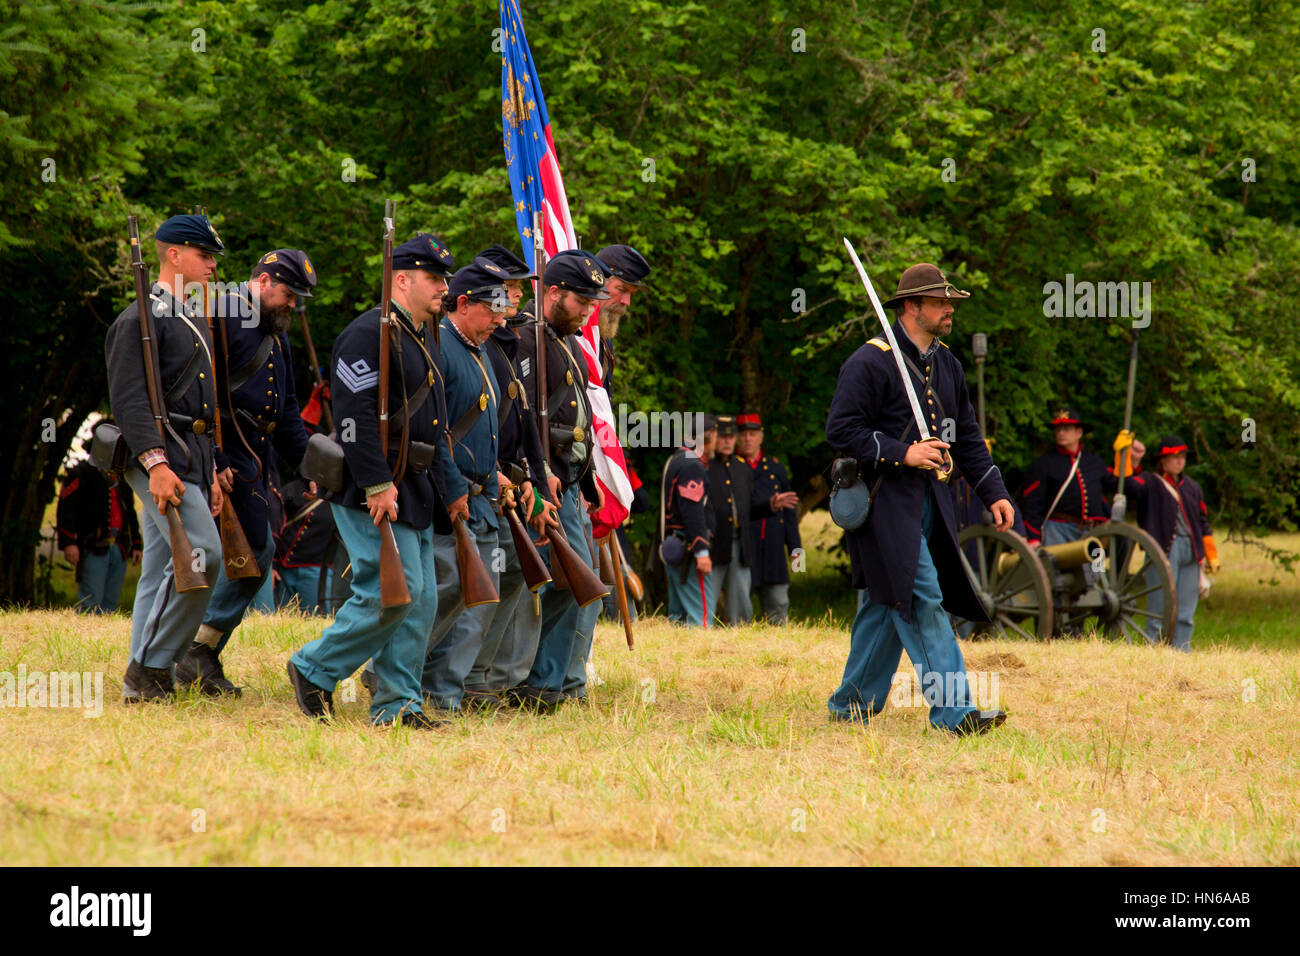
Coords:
944,468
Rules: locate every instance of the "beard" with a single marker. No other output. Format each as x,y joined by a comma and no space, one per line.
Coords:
274,321
565,321
609,322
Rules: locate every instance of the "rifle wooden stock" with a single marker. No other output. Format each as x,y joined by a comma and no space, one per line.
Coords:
536,574
606,562
236,553
476,585
582,580
183,571
393,591
612,547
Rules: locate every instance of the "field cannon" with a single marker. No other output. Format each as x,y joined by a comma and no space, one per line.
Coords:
1111,578
1107,578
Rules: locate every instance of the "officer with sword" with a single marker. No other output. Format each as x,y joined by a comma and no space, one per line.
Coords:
894,395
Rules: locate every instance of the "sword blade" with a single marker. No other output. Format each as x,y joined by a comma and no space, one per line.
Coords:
893,343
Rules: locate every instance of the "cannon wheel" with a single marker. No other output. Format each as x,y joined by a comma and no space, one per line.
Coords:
1133,557
1022,597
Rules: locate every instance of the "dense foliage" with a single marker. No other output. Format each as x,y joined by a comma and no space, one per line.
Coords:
1003,143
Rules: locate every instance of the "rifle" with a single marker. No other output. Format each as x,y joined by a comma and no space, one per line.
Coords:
393,591
610,545
186,576
570,571
536,574
476,585
236,553
327,417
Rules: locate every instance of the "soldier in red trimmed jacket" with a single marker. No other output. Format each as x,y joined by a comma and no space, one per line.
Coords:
1064,489
1171,508
98,533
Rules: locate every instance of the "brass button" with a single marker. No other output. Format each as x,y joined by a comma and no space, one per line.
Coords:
268,392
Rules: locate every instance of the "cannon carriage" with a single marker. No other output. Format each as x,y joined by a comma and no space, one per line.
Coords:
1107,580
1116,579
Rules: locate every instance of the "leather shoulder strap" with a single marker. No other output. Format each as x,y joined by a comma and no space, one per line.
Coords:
240,377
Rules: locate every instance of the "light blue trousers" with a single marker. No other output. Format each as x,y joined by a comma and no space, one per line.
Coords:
231,598
507,651
880,634
396,638
733,578
100,587
566,629
1187,580
163,620
458,630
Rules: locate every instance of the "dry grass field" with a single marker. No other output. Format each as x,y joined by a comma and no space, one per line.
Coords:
701,747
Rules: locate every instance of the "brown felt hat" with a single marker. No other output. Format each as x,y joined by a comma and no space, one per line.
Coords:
925,278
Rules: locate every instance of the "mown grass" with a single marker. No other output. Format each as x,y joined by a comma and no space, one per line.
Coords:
701,747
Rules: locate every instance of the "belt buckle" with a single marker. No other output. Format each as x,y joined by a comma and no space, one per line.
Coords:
199,426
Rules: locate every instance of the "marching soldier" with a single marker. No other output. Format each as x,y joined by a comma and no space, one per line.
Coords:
574,283
628,271
735,503
905,553
1171,508
770,536
473,392
259,412
1064,489
396,638
98,534
178,470
688,522
510,640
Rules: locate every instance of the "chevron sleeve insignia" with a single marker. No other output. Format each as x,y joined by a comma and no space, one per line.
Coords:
357,377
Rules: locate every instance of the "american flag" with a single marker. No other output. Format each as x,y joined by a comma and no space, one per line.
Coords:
537,187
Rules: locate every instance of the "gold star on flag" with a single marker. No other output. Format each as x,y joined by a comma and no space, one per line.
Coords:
519,206
528,233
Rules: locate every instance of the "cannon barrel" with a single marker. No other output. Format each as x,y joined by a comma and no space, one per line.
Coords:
1072,554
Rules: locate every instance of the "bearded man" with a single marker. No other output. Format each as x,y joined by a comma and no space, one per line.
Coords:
259,409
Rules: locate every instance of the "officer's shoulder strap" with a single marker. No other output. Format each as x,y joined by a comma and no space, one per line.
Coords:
879,343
